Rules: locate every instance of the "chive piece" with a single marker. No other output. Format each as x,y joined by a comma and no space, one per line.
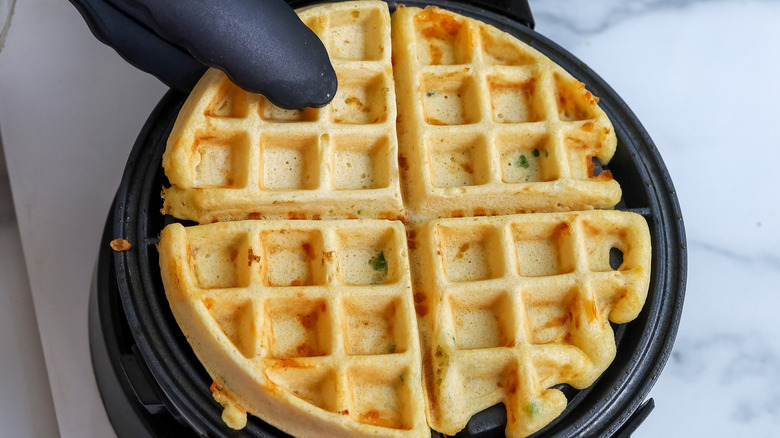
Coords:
522,161
536,152
546,154
430,93
401,377
378,262
534,408
391,349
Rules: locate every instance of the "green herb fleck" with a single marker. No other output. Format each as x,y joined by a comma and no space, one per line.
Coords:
536,152
391,349
430,93
546,154
522,161
378,262
534,408
401,377
358,212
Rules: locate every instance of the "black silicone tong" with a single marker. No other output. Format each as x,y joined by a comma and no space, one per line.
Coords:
261,45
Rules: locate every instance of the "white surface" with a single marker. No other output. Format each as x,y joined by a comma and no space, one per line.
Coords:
27,410
700,75
70,109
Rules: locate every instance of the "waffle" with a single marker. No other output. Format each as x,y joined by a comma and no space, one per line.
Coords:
517,304
488,125
309,323
233,155
356,326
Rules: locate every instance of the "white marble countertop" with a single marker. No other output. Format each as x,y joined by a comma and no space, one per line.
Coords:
700,75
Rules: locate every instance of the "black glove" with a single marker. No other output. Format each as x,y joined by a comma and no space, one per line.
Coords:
261,45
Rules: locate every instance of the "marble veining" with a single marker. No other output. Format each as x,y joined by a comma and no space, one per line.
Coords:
723,376
599,16
765,259
696,73
742,366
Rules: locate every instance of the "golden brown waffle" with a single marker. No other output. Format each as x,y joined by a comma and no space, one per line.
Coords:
364,327
488,125
510,306
310,324
233,155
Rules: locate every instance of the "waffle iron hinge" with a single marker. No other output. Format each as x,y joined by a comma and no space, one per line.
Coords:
140,377
635,420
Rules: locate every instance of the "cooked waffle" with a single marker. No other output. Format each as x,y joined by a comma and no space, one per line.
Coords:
488,125
233,155
310,324
510,306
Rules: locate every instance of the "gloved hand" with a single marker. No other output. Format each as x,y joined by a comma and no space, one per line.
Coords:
261,45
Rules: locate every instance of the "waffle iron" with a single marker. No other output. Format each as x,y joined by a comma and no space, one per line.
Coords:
152,384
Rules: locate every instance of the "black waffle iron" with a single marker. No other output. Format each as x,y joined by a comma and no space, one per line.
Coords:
153,385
